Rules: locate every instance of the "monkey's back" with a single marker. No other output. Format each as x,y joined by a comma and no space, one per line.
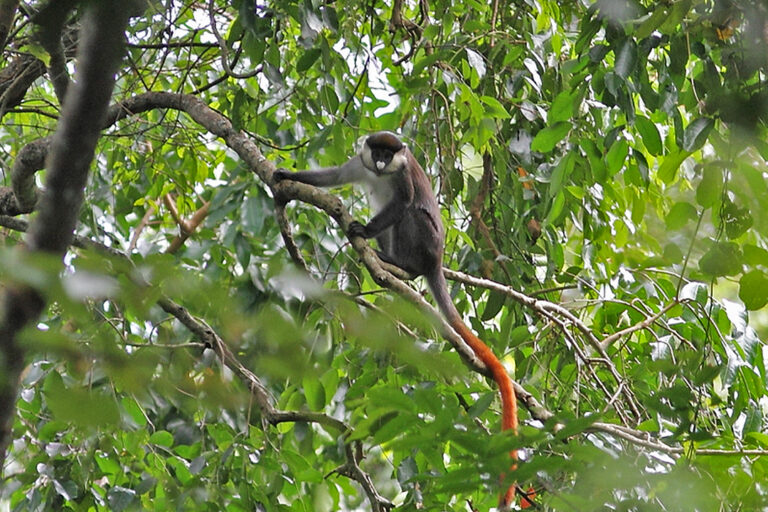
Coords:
419,236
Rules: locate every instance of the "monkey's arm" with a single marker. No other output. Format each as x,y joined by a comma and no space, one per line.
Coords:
398,206
350,172
384,219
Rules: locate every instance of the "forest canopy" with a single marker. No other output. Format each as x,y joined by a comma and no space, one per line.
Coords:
178,331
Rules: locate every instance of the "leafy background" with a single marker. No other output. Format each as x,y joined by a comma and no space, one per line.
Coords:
603,163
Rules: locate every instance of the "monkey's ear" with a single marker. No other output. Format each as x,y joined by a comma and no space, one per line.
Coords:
360,142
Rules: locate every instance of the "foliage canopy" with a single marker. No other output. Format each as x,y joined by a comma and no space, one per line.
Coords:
202,345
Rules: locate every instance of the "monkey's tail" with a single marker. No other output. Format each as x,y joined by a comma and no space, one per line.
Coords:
439,290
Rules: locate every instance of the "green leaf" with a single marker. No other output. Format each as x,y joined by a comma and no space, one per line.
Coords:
330,382
679,215
595,157
563,106
518,335
495,302
672,253
651,22
307,59
638,208
556,209
706,374
614,83
107,464
676,14
711,186
38,52
120,498
754,255
616,156
695,135
314,393
562,172
476,62
481,404
329,97
753,290
162,438
253,215
393,428
546,140
642,168
670,165
300,467
82,407
389,399
649,134
668,98
722,259
221,434
423,62
494,108
754,421
737,220
134,410
760,438
625,59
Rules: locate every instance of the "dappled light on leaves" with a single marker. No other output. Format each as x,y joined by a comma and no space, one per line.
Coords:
213,340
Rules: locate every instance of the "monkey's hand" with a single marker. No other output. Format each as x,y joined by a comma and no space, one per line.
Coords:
281,174
357,229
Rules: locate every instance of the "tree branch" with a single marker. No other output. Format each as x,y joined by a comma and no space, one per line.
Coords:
644,324
186,227
7,13
51,20
71,152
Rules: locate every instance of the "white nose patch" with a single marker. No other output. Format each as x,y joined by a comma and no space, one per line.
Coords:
379,165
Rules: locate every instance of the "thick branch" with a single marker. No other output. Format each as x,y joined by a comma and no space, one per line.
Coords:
23,195
73,144
70,158
34,154
7,13
51,20
17,78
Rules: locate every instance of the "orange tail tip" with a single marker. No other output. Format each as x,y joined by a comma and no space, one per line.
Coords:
526,501
506,499
506,390
526,498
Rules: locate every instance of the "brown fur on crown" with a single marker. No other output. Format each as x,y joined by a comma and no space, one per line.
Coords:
385,140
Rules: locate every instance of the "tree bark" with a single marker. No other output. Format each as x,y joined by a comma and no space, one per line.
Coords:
69,159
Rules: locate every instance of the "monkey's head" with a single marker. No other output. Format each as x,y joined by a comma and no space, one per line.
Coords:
384,153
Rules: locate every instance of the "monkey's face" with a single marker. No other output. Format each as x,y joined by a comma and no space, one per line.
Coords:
384,153
384,161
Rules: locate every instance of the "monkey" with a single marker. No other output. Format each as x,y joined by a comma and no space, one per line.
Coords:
408,228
